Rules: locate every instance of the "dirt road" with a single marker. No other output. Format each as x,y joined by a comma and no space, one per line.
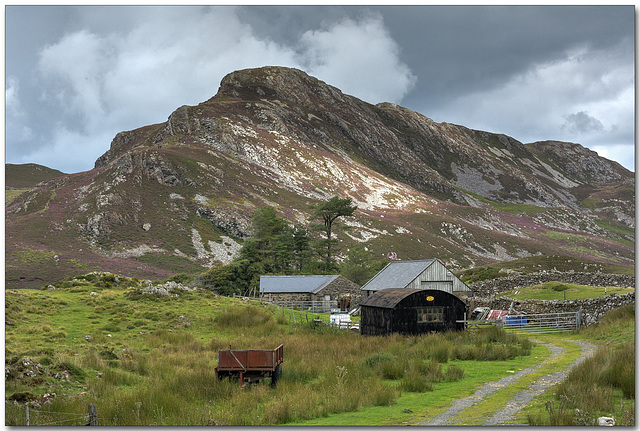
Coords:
520,399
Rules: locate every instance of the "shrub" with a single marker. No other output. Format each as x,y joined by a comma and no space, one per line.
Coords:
378,357
414,381
392,370
181,278
382,394
453,373
559,287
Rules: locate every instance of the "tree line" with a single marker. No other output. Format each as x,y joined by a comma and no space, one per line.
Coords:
277,247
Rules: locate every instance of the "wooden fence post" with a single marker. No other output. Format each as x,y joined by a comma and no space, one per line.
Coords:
93,415
26,417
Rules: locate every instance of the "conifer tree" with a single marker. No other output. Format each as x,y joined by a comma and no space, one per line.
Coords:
329,212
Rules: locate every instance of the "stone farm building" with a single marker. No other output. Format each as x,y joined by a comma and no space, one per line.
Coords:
417,274
324,291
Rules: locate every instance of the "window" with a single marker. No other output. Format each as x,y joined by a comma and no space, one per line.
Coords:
430,314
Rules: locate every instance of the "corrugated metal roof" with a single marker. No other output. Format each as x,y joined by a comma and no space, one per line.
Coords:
388,298
398,274
294,283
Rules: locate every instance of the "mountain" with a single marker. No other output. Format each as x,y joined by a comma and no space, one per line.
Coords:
178,196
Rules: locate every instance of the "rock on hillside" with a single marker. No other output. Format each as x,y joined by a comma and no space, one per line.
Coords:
178,196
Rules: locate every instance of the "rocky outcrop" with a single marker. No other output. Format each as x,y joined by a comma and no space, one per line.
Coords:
580,163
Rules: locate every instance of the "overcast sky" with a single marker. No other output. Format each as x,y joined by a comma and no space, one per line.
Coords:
77,75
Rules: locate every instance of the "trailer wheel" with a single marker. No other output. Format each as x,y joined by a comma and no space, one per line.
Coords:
276,375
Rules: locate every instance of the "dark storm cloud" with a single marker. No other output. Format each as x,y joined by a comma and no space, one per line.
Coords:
75,76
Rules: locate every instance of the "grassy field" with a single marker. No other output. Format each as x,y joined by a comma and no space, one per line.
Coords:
144,360
150,361
556,290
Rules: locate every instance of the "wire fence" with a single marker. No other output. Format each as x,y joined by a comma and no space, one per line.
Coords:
317,307
17,415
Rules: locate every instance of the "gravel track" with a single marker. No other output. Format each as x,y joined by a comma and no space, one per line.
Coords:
520,399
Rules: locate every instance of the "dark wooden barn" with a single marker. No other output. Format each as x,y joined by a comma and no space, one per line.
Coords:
410,312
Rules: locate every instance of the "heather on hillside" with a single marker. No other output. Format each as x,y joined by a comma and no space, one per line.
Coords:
179,196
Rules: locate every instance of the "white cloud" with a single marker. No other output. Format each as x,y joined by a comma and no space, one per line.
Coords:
587,98
17,128
105,82
360,58
67,149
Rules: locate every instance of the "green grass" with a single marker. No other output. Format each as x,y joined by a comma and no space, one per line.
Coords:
10,195
146,360
555,290
150,361
424,406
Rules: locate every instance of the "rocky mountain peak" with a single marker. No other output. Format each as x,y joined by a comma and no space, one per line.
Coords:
279,83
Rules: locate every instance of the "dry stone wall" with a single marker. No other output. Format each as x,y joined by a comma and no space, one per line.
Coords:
340,287
592,309
487,289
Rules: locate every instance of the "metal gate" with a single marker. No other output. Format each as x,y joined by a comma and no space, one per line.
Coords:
542,323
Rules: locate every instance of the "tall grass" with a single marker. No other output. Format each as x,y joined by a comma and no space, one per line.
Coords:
167,377
608,369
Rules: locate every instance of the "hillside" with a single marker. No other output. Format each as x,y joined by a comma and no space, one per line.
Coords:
178,196
27,176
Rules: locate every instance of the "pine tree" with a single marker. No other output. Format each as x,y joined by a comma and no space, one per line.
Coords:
329,212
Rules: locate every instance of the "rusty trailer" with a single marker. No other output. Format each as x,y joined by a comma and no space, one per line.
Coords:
250,366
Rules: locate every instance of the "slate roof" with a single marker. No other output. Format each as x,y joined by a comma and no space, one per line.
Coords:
295,283
398,274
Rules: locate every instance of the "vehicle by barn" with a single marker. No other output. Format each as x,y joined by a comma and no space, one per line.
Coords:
250,366
417,274
411,312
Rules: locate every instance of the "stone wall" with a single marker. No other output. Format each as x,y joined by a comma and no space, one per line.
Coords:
280,298
342,286
490,288
592,309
